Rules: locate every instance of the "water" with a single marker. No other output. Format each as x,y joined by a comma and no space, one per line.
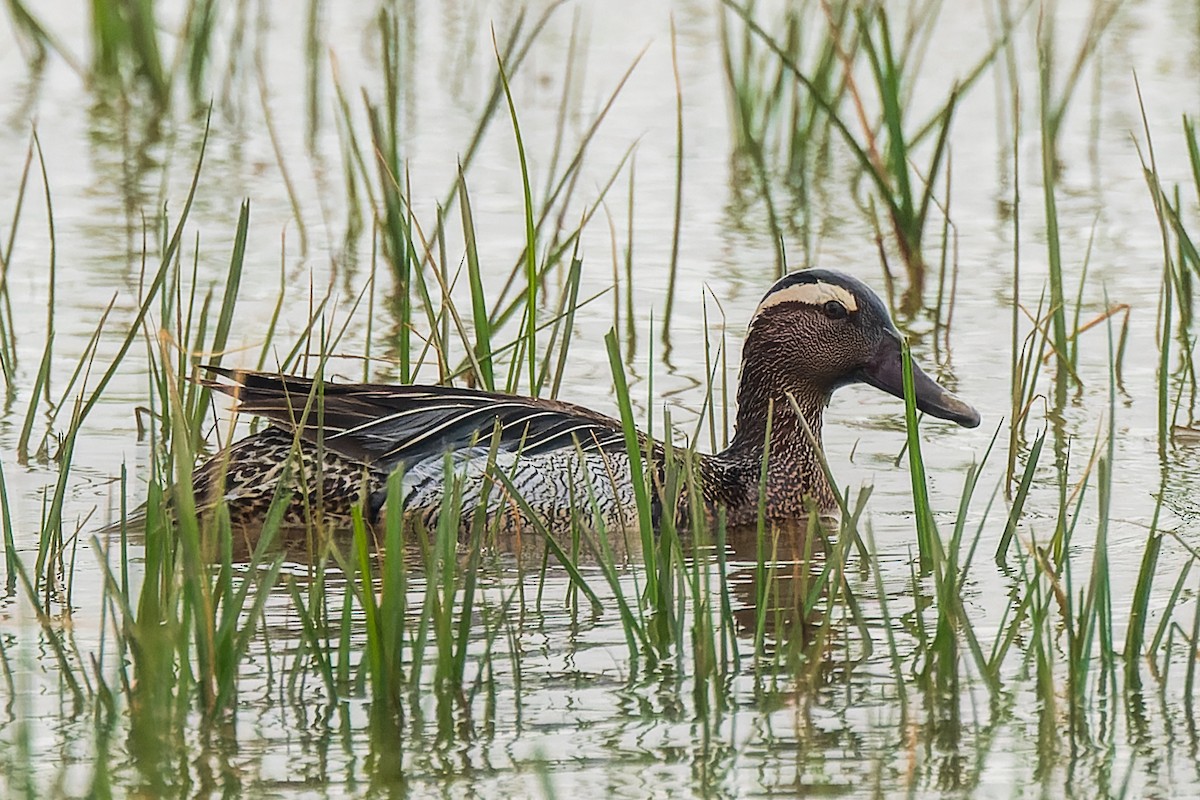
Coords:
570,711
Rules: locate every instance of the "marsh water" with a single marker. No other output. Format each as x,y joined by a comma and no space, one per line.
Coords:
566,711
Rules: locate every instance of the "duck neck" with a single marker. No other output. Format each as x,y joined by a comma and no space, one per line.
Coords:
794,469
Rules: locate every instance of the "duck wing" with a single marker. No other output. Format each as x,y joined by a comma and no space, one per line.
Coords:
386,424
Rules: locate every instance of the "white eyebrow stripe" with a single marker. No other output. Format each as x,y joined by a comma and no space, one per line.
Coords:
813,294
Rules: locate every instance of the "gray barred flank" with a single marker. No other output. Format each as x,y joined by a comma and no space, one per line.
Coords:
557,485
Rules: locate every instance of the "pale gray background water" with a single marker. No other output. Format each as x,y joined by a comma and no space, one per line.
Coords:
726,252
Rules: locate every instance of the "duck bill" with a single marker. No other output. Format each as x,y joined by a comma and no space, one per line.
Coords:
886,372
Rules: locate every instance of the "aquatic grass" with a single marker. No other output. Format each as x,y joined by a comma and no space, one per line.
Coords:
1179,259
395,228
150,290
1020,362
187,634
929,545
134,56
442,596
1179,254
482,361
572,83
189,631
895,658
635,447
51,541
946,563
657,625
564,235
824,604
714,651
383,654
1095,608
957,570
1026,364
529,323
78,376
1140,602
398,643
11,562
677,224
53,637
221,645
8,335
220,610
198,397
1019,500
196,46
314,625
947,269
1058,309
34,33
667,610
766,108
800,607
42,381
1091,654
907,209
1187,255
39,383
559,252
410,250
127,33
1054,642
1054,105
563,330
764,561
630,610
906,192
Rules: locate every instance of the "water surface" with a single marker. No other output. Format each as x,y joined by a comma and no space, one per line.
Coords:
570,712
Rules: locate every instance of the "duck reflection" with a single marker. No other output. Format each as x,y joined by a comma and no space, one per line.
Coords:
780,576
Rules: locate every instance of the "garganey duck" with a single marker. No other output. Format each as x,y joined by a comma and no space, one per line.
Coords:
815,330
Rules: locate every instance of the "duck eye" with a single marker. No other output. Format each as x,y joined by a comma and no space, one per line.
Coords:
835,310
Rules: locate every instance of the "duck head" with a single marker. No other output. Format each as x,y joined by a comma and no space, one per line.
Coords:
817,330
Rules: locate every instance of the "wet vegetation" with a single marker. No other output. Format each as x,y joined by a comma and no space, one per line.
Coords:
1037,626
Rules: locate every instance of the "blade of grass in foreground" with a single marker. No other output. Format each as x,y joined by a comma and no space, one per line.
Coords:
677,225
479,312
53,265
531,270
633,448
380,657
8,335
1018,504
10,547
1049,184
233,282
929,545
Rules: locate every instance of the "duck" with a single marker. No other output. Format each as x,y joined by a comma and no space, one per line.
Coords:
815,331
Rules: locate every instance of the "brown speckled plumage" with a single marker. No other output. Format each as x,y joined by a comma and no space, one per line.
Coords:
249,470
814,331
